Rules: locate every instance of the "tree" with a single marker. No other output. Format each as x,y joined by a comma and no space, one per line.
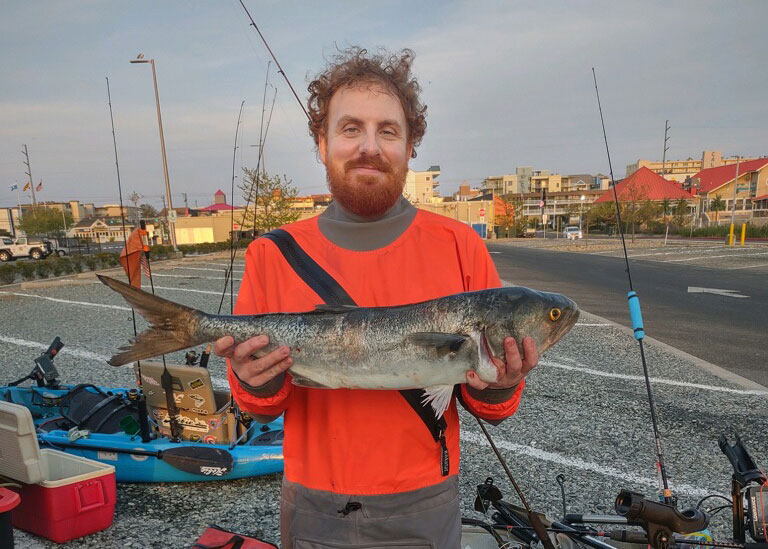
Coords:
148,211
717,205
631,197
40,221
680,213
269,200
509,215
604,212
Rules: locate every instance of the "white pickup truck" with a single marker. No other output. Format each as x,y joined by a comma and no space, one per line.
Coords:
15,248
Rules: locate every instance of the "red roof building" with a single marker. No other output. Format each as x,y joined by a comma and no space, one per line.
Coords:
643,185
714,178
219,203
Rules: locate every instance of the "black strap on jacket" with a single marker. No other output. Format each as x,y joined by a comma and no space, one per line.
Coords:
332,293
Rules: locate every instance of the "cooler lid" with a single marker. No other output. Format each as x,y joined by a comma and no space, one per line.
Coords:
8,500
19,451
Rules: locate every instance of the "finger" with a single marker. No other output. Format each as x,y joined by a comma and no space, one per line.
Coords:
475,382
531,355
244,350
514,362
224,346
272,372
254,367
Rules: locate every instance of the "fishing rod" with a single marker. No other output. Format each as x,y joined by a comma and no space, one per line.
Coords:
636,317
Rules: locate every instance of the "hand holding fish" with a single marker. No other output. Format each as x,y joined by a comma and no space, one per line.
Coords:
513,369
242,359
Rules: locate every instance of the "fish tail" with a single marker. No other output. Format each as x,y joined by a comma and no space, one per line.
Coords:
172,326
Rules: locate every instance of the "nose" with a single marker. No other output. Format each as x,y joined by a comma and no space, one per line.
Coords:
369,144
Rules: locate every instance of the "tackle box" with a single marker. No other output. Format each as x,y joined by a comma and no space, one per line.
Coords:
63,496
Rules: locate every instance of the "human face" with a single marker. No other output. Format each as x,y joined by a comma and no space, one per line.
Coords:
365,149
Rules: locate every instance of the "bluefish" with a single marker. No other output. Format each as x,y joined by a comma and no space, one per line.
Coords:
430,345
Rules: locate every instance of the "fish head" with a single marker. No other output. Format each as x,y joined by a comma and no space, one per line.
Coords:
519,312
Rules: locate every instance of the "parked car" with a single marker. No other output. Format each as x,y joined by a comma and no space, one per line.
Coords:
59,246
15,248
572,232
529,232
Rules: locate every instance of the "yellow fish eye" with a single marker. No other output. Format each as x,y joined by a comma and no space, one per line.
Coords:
555,314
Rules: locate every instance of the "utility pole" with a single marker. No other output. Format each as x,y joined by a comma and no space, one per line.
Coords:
664,156
29,174
186,202
135,197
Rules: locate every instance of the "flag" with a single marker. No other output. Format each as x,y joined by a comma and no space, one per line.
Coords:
39,186
27,187
145,266
14,187
130,258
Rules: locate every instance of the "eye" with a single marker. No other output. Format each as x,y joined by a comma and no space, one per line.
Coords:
555,314
350,130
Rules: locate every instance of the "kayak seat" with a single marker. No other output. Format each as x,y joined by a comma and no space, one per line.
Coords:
86,406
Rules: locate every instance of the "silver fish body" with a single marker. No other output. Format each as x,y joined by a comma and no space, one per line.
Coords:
432,344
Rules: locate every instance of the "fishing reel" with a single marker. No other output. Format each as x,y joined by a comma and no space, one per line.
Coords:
748,484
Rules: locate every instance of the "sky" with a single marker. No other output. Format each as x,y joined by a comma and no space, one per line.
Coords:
507,84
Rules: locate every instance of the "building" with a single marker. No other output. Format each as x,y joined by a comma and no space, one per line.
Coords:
679,170
746,197
500,185
465,193
544,180
420,186
644,185
101,229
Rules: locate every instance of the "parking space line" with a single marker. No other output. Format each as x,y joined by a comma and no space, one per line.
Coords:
200,269
656,380
714,257
574,462
67,350
57,300
148,287
193,277
590,324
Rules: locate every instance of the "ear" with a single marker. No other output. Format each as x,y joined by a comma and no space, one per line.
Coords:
409,151
322,147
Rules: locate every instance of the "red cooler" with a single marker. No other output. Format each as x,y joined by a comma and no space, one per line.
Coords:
63,496
8,500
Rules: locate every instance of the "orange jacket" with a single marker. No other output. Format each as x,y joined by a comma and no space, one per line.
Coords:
366,441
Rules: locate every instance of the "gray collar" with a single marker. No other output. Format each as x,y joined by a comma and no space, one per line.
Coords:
352,232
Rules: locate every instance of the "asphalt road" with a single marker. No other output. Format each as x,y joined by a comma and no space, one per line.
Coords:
730,332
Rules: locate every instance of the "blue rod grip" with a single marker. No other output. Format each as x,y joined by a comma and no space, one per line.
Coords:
636,315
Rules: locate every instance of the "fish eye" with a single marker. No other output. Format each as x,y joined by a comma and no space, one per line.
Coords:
555,314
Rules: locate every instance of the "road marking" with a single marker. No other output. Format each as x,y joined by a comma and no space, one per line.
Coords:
716,291
226,264
182,290
67,350
660,381
200,269
85,303
587,324
494,252
194,277
713,257
577,463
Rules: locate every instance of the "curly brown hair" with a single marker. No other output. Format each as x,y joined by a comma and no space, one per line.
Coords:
356,66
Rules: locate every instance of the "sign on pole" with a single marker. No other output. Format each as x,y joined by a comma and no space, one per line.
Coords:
481,212
172,216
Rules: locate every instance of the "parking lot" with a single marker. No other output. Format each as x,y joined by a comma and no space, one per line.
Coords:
584,411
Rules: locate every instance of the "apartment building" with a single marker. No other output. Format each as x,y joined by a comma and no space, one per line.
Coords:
420,187
679,170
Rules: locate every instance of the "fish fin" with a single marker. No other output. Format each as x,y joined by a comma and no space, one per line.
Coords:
325,308
173,326
442,342
439,397
301,381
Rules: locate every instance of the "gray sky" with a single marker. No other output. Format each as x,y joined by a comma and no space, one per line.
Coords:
506,83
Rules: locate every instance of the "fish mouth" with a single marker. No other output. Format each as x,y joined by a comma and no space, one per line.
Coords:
486,358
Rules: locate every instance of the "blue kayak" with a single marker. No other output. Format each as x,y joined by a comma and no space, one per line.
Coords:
254,449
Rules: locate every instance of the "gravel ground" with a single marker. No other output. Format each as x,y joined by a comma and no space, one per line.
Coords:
584,414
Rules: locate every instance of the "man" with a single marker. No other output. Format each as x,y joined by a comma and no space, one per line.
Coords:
361,468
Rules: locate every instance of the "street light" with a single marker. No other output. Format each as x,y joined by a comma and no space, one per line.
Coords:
581,212
171,224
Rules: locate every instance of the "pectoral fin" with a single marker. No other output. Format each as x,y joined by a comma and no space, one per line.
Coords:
301,381
324,308
443,343
439,397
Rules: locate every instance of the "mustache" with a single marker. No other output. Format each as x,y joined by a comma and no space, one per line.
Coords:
368,162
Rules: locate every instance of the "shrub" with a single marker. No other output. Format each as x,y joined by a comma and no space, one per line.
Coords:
8,274
43,268
77,263
26,269
66,265
57,266
92,262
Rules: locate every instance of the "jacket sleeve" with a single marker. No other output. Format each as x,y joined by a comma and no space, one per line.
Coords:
269,400
490,404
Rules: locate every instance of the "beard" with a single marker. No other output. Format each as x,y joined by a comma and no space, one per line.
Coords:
369,196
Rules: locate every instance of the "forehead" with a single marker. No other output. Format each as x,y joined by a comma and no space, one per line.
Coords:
368,101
